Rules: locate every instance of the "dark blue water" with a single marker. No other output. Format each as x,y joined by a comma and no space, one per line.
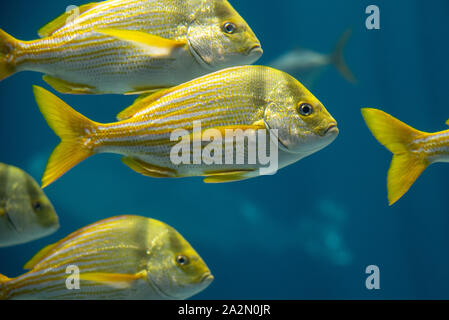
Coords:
311,230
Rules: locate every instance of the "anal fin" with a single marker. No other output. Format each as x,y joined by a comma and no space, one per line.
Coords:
226,176
63,86
147,169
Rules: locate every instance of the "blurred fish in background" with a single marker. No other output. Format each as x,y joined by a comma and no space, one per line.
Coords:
125,257
26,214
317,232
308,65
322,233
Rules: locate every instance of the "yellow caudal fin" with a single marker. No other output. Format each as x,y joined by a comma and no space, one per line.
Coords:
7,46
3,287
397,137
339,60
74,130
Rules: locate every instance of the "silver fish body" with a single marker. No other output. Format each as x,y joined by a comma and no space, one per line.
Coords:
26,214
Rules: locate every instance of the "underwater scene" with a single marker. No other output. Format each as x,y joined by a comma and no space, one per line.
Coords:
104,193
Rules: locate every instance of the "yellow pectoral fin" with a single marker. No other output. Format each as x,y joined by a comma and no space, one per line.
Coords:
39,256
158,47
63,19
226,176
447,122
63,86
148,169
116,280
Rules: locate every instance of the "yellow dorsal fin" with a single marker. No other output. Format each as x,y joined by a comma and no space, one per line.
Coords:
158,47
116,280
39,256
141,103
63,19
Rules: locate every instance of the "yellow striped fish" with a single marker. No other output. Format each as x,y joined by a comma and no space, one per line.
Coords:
125,257
131,46
251,98
26,214
413,150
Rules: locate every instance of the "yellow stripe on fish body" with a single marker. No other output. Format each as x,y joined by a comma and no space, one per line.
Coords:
128,46
249,97
413,150
126,257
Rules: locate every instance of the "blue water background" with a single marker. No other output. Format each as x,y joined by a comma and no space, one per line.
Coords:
311,230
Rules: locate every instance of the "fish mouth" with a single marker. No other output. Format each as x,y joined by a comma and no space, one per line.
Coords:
207,278
254,50
331,129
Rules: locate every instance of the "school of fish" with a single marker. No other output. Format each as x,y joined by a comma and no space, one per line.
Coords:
190,61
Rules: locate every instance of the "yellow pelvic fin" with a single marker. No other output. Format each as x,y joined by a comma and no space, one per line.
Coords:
116,280
339,60
2,211
141,103
149,170
407,165
63,19
66,87
39,256
7,47
73,128
226,176
158,47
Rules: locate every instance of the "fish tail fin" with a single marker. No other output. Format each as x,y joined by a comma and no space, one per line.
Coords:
73,128
338,58
397,137
8,45
3,287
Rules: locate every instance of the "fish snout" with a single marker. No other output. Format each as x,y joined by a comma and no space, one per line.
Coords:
207,278
332,128
256,50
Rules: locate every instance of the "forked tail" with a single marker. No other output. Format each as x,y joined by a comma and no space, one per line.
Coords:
407,165
338,58
7,47
74,130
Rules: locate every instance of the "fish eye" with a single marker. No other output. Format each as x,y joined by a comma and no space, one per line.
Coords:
37,206
305,109
229,27
182,260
